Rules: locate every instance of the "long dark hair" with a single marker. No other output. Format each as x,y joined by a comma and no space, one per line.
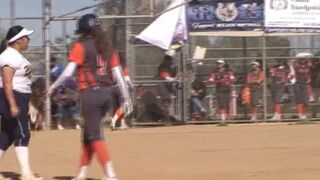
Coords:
3,45
102,40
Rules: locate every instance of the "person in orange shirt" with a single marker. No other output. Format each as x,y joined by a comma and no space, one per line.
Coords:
119,114
279,75
224,78
97,68
255,79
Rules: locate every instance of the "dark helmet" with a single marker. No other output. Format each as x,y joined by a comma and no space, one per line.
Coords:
86,22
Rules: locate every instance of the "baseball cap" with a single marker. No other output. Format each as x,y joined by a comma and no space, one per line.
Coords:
254,63
221,61
304,55
23,32
170,52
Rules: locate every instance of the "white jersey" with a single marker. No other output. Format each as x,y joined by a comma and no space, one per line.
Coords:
22,78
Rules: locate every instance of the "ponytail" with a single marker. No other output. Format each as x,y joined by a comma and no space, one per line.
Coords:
3,45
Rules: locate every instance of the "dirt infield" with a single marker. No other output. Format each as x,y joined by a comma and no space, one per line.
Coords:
203,152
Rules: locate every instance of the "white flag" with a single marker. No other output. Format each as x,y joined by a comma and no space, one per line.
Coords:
170,27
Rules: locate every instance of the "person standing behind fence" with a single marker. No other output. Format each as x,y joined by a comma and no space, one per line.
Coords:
198,92
254,80
280,78
303,81
224,78
96,62
15,93
167,73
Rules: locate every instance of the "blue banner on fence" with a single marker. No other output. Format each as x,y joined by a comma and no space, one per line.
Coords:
204,15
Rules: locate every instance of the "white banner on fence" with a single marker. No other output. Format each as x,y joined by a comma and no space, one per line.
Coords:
292,14
167,28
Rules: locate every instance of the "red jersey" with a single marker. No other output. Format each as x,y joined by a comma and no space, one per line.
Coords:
255,77
303,73
92,69
280,74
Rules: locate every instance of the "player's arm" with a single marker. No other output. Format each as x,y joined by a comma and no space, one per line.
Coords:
127,78
76,57
8,73
117,73
66,74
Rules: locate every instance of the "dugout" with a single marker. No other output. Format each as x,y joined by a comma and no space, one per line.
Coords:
239,48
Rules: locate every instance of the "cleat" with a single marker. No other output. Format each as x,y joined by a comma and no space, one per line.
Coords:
60,127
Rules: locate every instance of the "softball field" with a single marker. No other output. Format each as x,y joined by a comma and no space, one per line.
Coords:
190,152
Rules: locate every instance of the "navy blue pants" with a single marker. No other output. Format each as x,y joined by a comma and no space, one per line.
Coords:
14,130
95,101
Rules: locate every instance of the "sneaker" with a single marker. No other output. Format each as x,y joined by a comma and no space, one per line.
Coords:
302,117
112,128
124,126
31,177
253,118
276,117
60,127
77,127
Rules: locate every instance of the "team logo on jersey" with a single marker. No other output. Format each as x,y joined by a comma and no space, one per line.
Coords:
278,4
226,11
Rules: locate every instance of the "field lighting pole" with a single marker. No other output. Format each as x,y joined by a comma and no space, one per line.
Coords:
46,39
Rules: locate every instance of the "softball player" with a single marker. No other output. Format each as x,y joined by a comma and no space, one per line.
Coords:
96,63
119,114
254,80
303,80
279,75
224,78
15,93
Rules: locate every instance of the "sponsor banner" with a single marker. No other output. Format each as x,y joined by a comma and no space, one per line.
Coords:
292,15
204,15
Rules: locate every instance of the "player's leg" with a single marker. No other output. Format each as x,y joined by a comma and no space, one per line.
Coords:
95,101
255,97
117,115
279,91
301,100
22,138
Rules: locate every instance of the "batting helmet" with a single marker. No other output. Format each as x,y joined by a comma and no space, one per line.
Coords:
86,22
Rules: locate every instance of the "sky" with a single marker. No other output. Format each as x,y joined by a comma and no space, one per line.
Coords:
33,8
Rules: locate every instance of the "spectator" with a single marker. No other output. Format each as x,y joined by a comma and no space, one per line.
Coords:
36,106
67,99
148,104
56,68
198,92
167,88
